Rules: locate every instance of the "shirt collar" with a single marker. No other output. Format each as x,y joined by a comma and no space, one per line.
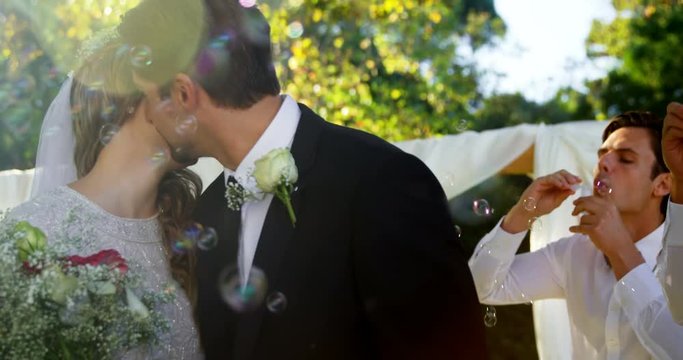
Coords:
278,134
650,245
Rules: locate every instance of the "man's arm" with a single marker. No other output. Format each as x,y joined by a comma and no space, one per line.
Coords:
672,148
670,261
503,278
643,303
412,276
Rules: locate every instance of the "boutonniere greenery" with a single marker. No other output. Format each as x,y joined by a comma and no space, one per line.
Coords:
236,195
276,173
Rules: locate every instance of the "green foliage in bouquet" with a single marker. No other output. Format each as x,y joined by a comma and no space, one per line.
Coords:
55,305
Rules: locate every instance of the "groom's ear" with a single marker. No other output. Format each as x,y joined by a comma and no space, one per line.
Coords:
186,92
662,184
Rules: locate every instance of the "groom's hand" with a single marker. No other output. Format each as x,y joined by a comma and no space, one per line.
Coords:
672,148
544,195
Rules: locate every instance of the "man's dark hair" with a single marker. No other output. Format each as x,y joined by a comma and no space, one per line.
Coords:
654,126
222,45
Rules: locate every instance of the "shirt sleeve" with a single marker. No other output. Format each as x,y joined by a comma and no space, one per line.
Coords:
670,261
643,303
501,277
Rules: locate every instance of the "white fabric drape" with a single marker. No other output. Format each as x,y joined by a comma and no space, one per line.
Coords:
464,160
15,187
573,147
460,162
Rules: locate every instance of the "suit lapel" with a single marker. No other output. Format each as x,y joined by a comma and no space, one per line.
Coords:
277,228
213,213
277,234
216,322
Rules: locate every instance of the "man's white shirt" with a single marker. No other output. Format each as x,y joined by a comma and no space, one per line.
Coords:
670,261
279,134
609,319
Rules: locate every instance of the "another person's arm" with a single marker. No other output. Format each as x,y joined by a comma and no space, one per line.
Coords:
640,296
671,259
501,277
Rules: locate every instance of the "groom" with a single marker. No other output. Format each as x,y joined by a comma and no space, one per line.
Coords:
370,269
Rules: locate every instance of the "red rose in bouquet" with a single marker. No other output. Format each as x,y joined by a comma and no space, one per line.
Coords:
109,257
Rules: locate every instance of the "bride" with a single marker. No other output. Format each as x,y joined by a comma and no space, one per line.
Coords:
129,193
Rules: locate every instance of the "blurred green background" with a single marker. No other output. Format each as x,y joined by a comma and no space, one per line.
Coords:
388,67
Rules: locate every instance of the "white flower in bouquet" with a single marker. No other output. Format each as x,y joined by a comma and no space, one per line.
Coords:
61,286
55,305
136,306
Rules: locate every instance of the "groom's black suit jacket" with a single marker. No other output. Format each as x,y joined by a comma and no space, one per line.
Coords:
373,268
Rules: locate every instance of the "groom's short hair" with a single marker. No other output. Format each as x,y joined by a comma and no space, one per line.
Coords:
654,126
222,45
645,120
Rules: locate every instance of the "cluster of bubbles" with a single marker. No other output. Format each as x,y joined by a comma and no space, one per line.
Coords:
490,318
242,295
276,302
462,125
526,301
295,30
214,56
481,207
107,133
141,56
530,204
204,238
159,157
458,231
602,187
186,125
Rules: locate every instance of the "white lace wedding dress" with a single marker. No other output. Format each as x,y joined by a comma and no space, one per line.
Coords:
139,242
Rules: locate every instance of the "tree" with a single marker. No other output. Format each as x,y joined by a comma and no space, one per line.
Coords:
513,109
38,45
389,67
645,38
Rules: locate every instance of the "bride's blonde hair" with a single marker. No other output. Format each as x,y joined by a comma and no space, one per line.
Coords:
103,97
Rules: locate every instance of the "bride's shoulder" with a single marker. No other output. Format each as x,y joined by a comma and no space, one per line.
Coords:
43,210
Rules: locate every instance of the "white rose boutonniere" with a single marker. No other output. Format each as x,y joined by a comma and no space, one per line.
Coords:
276,173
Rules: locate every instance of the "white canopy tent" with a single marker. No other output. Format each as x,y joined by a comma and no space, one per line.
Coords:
460,162
464,160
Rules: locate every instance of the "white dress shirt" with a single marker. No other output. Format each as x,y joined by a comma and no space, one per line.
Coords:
279,134
670,260
608,318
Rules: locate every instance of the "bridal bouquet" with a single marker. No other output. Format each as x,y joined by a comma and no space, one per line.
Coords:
55,305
